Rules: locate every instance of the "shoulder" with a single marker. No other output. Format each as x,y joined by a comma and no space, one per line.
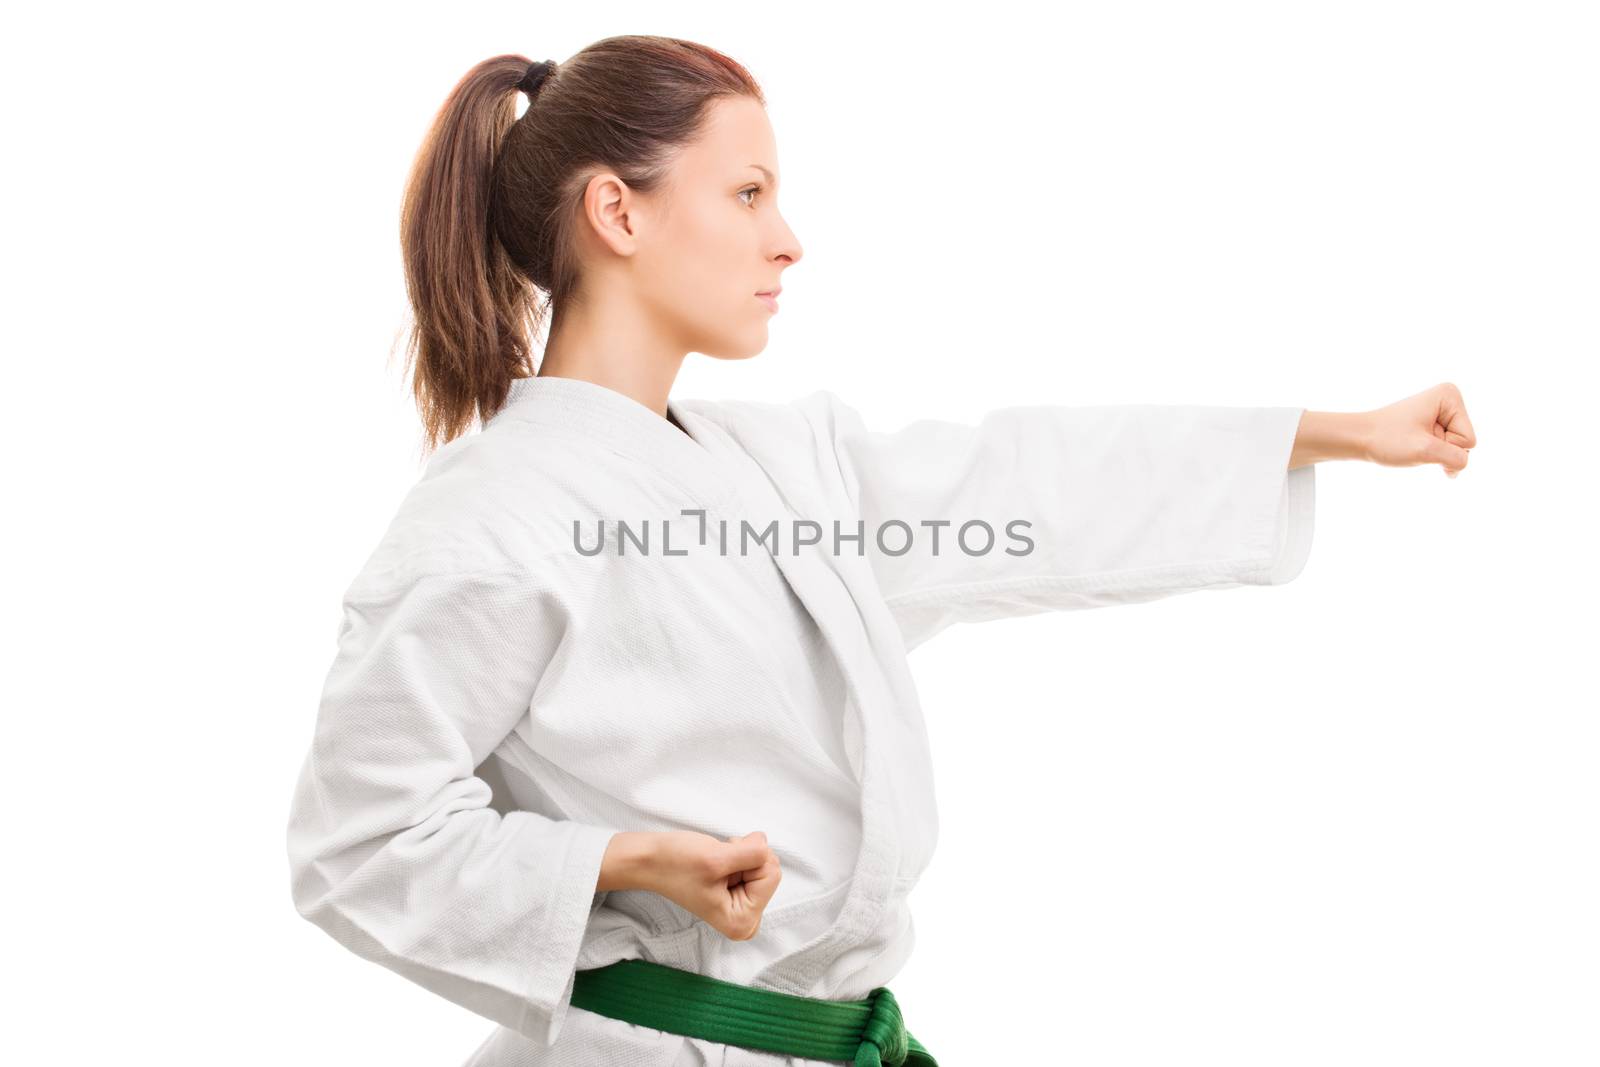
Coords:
488,506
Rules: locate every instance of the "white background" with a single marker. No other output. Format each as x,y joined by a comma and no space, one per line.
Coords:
1351,820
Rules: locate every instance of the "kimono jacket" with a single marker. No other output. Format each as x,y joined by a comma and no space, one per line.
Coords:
521,673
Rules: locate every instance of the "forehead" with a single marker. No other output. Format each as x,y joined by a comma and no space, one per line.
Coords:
736,134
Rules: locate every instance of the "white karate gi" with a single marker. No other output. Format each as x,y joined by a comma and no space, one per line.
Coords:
501,704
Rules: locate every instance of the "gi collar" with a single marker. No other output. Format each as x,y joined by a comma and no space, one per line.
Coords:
614,420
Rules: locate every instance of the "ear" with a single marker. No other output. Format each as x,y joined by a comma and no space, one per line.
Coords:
611,210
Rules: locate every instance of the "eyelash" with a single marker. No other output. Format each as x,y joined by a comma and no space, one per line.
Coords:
749,189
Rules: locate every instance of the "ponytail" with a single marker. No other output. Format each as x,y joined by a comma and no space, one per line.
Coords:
472,311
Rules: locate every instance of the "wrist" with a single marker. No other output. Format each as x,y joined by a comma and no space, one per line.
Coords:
1361,431
630,861
1325,435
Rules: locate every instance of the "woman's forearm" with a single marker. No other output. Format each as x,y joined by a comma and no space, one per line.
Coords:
725,882
1326,435
630,862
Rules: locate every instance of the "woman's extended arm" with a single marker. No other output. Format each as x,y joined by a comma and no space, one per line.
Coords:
1325,435
1054,507
1429,427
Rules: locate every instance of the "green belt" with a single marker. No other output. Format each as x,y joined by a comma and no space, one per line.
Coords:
866,1033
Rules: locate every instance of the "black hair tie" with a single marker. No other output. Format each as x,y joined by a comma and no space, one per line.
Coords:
535,77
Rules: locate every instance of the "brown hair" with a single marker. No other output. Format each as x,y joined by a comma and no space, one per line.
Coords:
492,202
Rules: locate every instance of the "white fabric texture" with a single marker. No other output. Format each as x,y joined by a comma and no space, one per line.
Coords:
501,703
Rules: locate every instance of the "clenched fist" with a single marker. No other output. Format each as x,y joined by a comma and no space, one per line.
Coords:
1430,427
726,883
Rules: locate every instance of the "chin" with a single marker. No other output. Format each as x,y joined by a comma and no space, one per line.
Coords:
736,348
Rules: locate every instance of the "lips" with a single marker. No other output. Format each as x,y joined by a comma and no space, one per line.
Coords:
769,297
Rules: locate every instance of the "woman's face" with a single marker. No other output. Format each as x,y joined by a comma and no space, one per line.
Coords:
712,238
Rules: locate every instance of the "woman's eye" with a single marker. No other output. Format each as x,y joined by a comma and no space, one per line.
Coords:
752,189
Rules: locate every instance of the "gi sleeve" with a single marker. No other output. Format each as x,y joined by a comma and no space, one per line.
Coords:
1041,508
393,847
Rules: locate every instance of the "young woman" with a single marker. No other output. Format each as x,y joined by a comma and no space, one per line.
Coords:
620,749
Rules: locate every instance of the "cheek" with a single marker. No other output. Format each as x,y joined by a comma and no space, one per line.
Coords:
701,279
706,265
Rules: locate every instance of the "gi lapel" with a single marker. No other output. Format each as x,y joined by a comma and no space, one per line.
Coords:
812,574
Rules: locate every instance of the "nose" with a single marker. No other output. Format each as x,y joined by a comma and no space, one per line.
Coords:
789,247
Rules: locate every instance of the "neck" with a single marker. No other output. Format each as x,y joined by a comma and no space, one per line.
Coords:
616,346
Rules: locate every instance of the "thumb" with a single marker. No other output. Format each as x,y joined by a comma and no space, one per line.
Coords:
744,854
1452,458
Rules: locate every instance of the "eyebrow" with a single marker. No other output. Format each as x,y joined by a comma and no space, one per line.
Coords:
765,171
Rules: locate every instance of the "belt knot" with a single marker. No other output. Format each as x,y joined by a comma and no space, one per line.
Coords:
883,1037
